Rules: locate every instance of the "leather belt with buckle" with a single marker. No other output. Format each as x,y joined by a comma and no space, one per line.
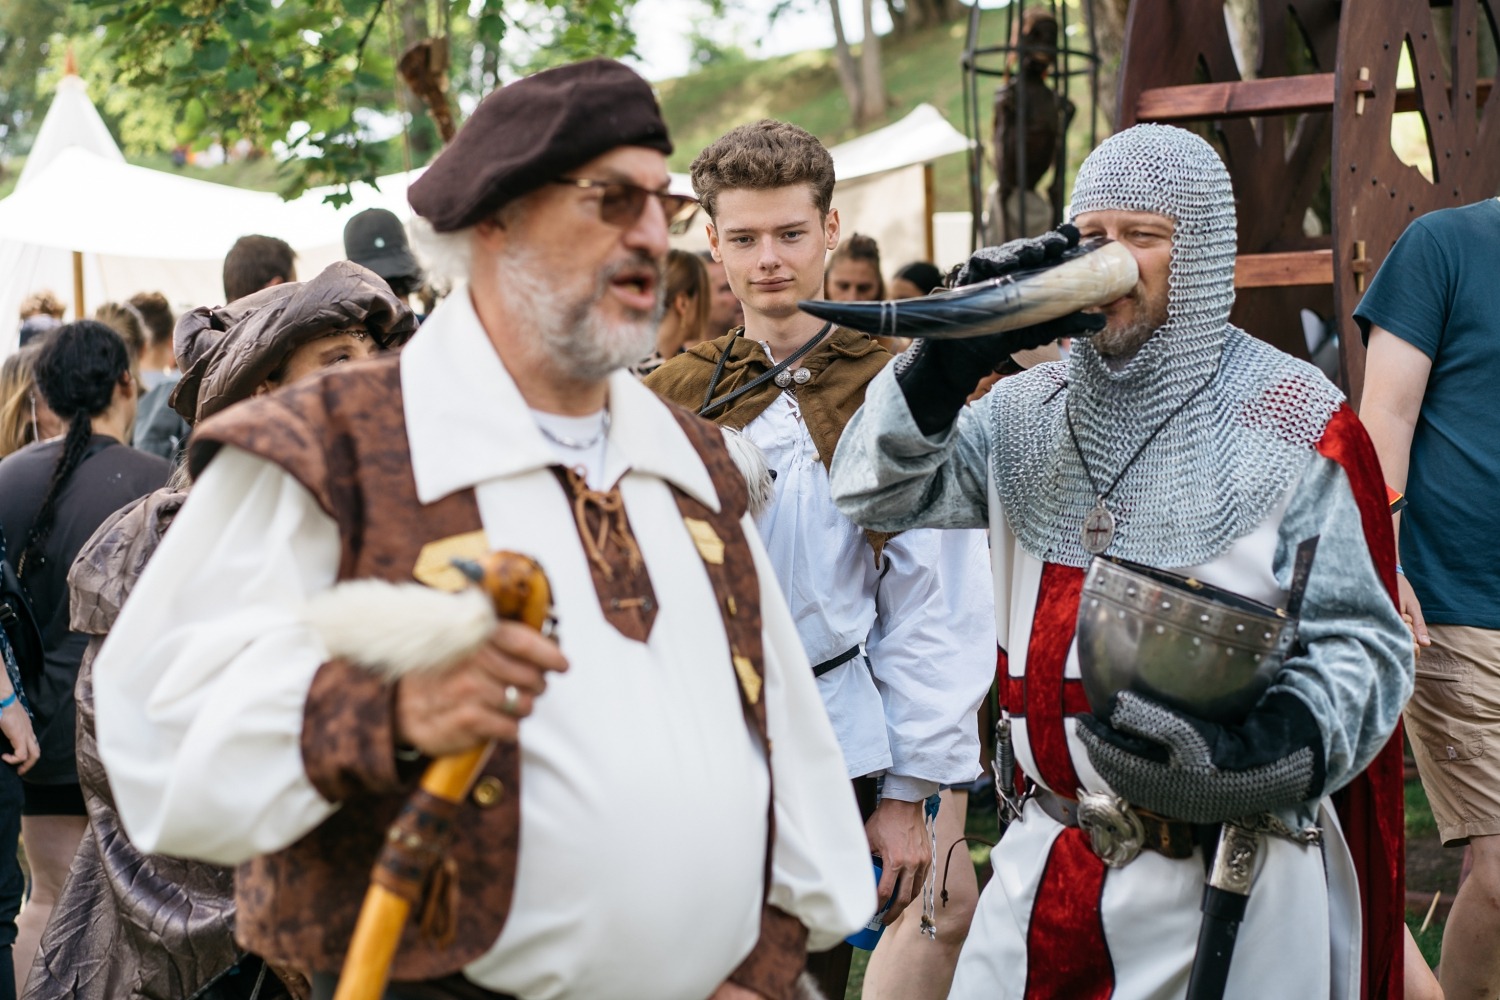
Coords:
1117,830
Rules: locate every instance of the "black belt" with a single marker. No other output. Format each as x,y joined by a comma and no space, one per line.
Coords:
837,661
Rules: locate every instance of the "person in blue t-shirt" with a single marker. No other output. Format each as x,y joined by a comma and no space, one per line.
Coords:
1431,404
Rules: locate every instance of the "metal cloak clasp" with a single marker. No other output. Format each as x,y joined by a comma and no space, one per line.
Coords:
1114,830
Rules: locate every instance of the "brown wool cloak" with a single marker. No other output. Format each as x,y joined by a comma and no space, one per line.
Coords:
841,366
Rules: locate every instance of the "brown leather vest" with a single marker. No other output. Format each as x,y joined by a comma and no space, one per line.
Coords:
343,437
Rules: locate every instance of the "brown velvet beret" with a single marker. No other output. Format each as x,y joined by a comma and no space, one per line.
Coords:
533,131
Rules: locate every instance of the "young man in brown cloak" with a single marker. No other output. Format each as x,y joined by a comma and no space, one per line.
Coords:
897,627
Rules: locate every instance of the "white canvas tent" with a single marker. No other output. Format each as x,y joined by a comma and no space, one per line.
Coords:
25,267
884,187
137,229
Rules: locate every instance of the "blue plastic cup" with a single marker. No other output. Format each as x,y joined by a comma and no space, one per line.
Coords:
869,935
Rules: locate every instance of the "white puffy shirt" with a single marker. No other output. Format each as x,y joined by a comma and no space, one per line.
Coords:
924,617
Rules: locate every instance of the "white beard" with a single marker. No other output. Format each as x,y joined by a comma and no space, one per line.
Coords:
575,338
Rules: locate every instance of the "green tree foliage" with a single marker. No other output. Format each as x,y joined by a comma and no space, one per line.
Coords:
301,71
27,30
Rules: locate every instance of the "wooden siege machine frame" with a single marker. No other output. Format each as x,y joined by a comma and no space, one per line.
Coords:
1311,129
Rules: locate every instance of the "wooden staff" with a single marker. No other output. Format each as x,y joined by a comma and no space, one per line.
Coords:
519,591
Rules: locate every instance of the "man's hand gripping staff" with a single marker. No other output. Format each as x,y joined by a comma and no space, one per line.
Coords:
455,714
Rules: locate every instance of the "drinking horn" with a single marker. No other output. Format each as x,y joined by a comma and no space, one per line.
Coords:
1096,272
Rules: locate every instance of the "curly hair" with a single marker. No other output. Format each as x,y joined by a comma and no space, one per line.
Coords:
76,370
768,154
43,303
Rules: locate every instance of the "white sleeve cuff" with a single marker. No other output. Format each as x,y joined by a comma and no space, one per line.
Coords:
904,789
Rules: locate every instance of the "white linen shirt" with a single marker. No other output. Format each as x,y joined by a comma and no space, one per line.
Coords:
924,618
643,818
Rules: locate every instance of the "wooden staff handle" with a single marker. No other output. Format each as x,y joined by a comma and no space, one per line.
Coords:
519,591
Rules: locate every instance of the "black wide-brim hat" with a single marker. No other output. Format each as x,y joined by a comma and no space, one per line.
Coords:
532,132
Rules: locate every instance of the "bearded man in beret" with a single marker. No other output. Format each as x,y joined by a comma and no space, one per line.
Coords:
240,713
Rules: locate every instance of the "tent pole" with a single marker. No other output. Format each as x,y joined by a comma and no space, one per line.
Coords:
77,285
927,207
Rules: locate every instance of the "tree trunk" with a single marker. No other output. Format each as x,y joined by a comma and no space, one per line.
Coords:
862,80
847,69
1109,32
901,22
871,72
928,13
412,16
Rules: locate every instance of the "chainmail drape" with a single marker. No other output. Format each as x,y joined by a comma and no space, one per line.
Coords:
1219,466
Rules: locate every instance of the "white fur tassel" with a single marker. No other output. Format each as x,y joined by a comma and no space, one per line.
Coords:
751,462
807,988
399,628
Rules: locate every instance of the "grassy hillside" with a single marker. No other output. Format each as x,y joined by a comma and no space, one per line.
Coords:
803,88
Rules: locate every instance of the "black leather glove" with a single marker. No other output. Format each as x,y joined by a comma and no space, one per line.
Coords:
1018,255
1202,772
937,376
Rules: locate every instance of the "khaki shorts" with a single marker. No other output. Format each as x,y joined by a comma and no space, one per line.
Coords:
1453,722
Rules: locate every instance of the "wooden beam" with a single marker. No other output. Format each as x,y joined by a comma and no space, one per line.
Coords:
1281,270
1285,95
1282,95
929,205
1406,100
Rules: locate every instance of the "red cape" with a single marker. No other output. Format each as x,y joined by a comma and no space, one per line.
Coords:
1372,808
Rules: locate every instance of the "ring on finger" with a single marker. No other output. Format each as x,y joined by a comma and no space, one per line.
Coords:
512,703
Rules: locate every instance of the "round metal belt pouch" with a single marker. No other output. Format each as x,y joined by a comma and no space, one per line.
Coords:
1195,647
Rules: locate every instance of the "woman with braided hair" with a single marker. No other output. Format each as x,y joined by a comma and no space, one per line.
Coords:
129,925
53,494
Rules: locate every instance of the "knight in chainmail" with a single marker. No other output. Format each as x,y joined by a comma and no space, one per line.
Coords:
1173,439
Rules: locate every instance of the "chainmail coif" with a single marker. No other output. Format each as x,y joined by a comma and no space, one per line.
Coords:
1218,467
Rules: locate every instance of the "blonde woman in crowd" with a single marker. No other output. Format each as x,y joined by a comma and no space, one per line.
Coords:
25,416
685,321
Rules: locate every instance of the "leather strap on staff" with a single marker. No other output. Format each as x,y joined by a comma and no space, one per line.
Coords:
414,865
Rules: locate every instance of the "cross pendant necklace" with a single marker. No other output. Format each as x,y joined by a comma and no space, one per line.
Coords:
1098,531
1098,527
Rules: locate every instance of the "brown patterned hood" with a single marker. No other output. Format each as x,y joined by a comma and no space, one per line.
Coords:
226,352
111,561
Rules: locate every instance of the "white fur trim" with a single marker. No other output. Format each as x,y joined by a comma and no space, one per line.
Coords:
399,628
807,988
751,462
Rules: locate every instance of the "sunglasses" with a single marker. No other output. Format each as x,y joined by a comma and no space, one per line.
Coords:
621,204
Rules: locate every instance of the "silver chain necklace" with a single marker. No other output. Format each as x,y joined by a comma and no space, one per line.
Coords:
563,441
1098,531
